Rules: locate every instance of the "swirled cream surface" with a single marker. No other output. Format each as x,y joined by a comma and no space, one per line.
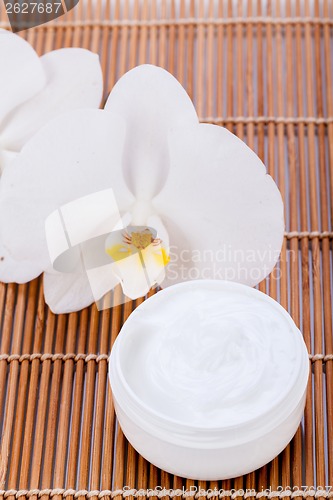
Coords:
211,357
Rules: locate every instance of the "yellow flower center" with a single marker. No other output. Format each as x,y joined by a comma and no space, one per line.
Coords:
119,251
142,239
134,240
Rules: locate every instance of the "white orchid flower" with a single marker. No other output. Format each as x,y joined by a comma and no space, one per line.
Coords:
188,193
34,90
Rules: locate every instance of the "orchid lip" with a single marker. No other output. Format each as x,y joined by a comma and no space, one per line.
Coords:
139,236
138,258
133,239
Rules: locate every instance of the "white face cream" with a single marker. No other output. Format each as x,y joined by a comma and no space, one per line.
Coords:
216,358
217,365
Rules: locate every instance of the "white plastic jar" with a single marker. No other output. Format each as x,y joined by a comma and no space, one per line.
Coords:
209,379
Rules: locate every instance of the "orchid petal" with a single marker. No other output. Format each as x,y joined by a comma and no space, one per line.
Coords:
155,222
67,292
70,292
22,74
139,272
19,272
138,263
102,280
223,212
132,276
76,154
6,157
155,259
74,80
152,102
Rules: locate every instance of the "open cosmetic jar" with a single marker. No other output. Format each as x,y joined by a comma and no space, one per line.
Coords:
209,379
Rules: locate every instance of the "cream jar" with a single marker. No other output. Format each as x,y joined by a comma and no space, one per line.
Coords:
209,379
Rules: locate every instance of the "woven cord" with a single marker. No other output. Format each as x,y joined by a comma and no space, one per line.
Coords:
9,358
162,492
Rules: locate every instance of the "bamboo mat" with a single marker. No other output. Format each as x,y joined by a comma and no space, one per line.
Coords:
264,70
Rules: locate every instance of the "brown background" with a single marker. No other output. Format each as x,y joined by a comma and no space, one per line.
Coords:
264,70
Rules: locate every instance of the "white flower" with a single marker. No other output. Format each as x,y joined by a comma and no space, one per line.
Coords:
35,89
200,189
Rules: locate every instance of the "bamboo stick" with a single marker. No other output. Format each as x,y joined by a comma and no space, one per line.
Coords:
153,56
110,419
327,266
190,50
260,105
112,74
121,443
210,64
59,33
88,403
200,57
249,78
60,463
270,131
68,29
73,465
33,392
143,40
230,75
303,187
77,31
293,225
134,37
13,405
285,458
52,402
23,385
2,301
260,85
123,42
181,60
220,73
86,13
240,77
274,465
6,330
13,376
40,426
310,65
101,391
160,37
323,279
105,46
172,41
96,30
